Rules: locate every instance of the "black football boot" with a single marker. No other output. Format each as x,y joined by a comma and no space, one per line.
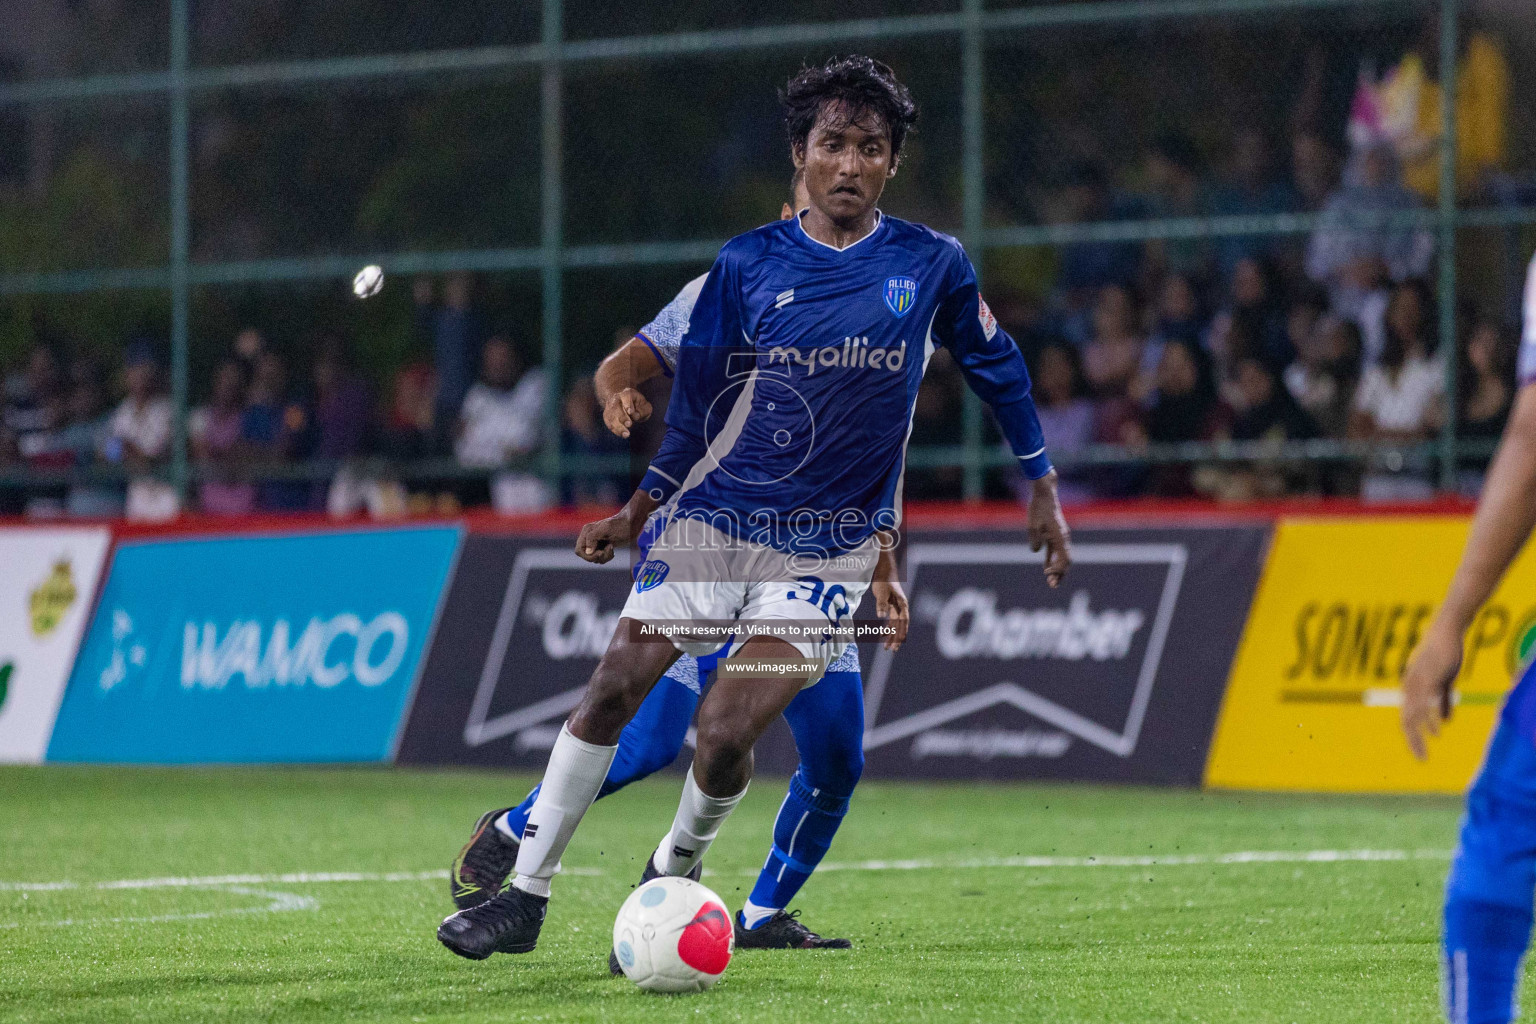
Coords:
784,931
482,868
508,922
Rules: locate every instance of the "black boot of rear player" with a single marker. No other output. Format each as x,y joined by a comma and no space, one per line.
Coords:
784,931
484,865
508,922
647,875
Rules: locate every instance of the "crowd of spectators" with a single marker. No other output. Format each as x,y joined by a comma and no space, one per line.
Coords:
1331,333
267,439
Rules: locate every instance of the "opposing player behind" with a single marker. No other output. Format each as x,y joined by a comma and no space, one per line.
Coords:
788,423
1488,896
827,720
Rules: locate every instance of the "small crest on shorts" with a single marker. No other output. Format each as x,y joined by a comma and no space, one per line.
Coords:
900,294
650,575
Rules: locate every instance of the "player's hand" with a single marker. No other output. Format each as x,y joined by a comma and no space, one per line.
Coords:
624,410
1048,529
598,541
1427,684
891,605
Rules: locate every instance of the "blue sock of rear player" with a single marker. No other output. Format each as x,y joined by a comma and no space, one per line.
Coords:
828,722
808,819
1488,896
649,743
1484,944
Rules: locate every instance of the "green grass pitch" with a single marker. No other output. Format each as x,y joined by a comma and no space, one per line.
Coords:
1001,937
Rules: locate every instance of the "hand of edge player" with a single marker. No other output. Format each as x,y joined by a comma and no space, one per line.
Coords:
1427,686
1048,529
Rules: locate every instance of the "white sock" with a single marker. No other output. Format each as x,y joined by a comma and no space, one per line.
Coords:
698,821
576,771
753,915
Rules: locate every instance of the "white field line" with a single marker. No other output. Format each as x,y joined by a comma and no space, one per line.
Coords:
1107,861
278,902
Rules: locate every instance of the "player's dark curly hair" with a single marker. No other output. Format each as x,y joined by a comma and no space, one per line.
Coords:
864,86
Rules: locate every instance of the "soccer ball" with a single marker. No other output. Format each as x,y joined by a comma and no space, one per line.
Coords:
368,281
673,935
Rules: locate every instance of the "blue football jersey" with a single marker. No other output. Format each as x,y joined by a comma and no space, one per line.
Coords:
798,374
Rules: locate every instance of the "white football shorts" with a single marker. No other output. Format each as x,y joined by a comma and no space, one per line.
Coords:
699,584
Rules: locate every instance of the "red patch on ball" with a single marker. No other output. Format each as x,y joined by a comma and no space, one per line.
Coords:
705,944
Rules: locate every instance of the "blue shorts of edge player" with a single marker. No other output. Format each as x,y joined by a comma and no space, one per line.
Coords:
1488,897
828,725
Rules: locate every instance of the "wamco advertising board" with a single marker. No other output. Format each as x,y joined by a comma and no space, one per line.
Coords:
1315,690
1116,675
252,649
48,579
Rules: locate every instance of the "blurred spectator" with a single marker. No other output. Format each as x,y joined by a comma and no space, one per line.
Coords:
215,433
250,345
1112,360
1314,170
1325,374
343,415
1404,109
1187,408
501,419
31,401
1399,400
1067,417
1086,267
1177,314
584,434
1484,395
1251,189
407,427
86,437
1269,413
140,436
455,332
1354,248
1253,322
275,428
1174,173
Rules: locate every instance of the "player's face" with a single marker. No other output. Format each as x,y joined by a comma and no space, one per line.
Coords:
847,159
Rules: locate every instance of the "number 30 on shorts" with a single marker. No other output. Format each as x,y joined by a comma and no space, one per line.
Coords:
833,600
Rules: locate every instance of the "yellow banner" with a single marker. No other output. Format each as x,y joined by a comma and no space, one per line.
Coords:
1312,703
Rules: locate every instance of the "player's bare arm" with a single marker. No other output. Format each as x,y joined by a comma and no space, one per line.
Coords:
1505,517
598,541
890,596
617,381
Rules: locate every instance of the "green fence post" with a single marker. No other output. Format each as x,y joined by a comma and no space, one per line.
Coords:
551,236
180,229
973,185
1447,237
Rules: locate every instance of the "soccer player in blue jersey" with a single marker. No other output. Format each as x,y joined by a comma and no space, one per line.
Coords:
1488,896
827,719
782,463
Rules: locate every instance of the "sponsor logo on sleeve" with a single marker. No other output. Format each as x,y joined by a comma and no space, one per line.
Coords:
988,321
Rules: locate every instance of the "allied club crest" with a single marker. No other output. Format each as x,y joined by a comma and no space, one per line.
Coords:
650,575
51,599
900,295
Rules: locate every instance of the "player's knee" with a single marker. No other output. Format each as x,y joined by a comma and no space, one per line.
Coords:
835,770
613,695
722,741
